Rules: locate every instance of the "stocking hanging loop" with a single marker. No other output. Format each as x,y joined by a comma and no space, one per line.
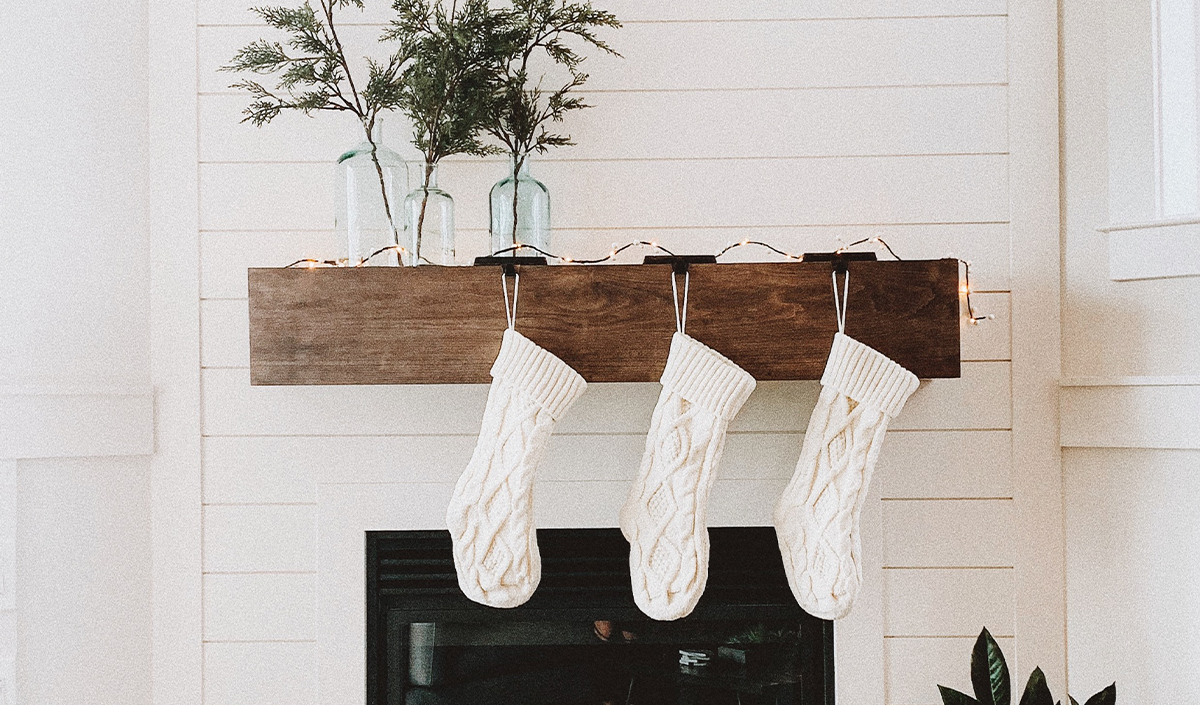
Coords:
840,303
680,310
510,313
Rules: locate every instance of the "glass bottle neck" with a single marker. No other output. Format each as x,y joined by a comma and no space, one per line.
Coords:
429,176
523,171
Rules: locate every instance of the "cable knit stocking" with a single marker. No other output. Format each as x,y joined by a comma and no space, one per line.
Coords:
491,512
664,519
817,518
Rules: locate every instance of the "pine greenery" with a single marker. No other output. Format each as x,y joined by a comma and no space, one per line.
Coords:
522,109
457,73
447,88
314,74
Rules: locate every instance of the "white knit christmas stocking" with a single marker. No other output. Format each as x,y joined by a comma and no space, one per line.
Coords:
491,513
817,517
664,519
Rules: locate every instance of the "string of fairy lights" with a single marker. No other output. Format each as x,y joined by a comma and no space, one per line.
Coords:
400,252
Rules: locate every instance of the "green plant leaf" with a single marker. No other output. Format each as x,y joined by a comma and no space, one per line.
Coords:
1036,690
989,672
1073,700
1108,696
951,696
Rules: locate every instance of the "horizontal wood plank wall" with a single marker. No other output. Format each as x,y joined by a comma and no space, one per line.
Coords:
806,125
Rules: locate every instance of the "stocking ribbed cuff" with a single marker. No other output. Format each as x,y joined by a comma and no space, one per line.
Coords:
868,376
705,377
537,372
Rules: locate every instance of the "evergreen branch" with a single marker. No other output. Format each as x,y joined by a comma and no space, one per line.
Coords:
522,111
320,78
311,68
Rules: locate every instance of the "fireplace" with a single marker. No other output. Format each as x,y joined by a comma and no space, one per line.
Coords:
581,640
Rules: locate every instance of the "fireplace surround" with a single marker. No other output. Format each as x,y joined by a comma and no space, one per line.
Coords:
581,639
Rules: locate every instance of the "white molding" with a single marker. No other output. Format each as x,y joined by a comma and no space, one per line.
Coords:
8,572
1130,412
1158,249
61,421
1132,381
1149,224
175,477
8,546
8,681
1038,534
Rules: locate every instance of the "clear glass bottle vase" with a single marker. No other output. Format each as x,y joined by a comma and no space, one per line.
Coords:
520,210
370,184
428,222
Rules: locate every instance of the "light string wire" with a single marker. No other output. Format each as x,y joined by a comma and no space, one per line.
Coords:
400,251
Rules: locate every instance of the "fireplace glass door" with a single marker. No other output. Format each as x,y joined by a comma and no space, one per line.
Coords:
581,640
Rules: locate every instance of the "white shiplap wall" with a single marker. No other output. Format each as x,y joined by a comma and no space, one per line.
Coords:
798,123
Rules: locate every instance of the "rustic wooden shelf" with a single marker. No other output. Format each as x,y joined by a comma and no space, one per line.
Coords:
612,323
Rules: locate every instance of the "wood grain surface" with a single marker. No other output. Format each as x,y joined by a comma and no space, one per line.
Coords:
441,325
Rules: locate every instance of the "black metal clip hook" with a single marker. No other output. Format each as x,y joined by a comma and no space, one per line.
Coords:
679,263
508,263
840,260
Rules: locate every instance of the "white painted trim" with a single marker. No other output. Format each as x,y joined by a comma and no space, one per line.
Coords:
1156,54
175,478
1038,534
1130,415
1153,250
64,421
8,681
8,547
8,571
1149,224
71,389
1132,381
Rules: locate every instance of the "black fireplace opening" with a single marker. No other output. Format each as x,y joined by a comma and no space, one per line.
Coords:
580,640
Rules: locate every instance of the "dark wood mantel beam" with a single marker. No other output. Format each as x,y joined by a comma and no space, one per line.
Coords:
612,323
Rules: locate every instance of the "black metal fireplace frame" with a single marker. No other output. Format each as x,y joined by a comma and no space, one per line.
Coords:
585,576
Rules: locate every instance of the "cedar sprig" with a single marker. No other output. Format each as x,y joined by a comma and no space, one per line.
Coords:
523,108
457,61
313,73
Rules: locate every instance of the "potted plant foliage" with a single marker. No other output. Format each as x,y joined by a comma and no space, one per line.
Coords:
990,681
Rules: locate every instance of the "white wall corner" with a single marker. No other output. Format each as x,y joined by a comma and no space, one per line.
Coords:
47,421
